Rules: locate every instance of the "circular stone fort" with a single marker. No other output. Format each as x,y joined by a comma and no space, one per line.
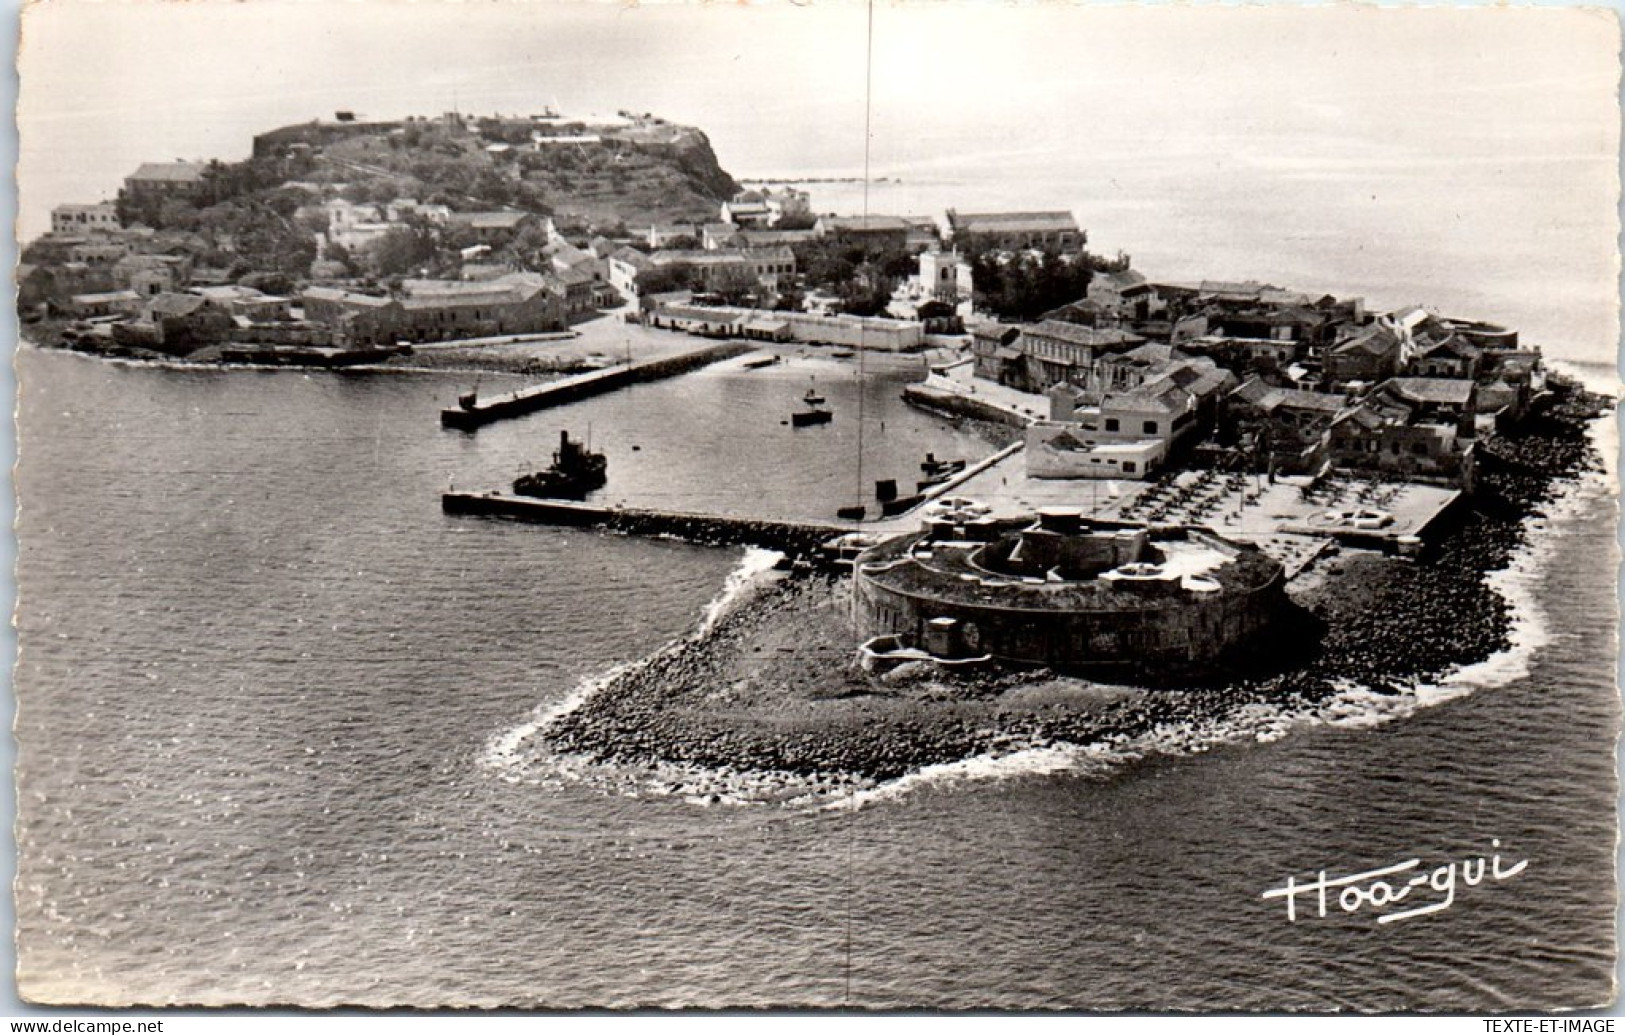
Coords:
1063,591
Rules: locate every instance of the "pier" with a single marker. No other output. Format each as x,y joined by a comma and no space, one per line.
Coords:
480,412
796,538
959,404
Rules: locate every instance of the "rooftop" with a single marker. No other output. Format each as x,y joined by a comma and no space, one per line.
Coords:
1077,334
1447,390
1009,222
169,172
1122,280
173,304
340,295
1269,398
489,220
866,223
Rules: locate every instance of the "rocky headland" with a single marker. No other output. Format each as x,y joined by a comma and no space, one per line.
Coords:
774,685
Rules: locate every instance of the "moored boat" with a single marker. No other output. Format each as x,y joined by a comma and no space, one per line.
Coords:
575,472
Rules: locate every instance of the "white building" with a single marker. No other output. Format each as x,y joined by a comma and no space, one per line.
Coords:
355,227
766,207
78,219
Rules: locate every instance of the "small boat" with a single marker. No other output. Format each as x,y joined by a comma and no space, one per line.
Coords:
575,472
760,362
855,513
843,353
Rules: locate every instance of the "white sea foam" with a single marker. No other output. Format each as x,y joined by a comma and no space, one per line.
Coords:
1021,762
507,751
743,583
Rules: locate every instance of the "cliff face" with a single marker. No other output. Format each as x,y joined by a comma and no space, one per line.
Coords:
699,162
636,171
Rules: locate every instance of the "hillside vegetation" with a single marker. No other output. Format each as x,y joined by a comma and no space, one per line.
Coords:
589,178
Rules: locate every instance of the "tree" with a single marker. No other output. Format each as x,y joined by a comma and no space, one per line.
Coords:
337,253
401,250
864,296
676,276
736,285
862,275
1025,285
175,214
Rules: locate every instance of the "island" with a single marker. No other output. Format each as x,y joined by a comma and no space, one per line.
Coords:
1204,495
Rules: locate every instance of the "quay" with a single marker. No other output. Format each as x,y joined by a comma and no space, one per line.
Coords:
936,398
479,412
796,538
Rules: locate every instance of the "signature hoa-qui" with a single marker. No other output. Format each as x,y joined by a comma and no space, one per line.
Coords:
1388,886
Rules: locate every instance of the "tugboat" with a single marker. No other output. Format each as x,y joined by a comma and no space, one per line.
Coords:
575,472
937,471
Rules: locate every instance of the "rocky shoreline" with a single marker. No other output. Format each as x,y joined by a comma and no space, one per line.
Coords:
521,358
773,686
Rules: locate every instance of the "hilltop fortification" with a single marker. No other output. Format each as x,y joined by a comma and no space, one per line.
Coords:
598,172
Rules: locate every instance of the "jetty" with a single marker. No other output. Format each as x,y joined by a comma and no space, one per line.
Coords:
796,538
473,412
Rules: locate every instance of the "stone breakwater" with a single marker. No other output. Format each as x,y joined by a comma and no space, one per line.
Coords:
772,687
795,538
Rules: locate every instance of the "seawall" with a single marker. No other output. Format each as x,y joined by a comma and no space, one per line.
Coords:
571,389
798,539
955,404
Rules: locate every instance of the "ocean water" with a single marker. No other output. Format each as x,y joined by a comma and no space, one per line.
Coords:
265,689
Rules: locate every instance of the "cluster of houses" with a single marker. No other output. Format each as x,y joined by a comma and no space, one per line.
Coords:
764,218
751,247
135,286
935,300
151,287
1134,372
90,265
1259,377
181,322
